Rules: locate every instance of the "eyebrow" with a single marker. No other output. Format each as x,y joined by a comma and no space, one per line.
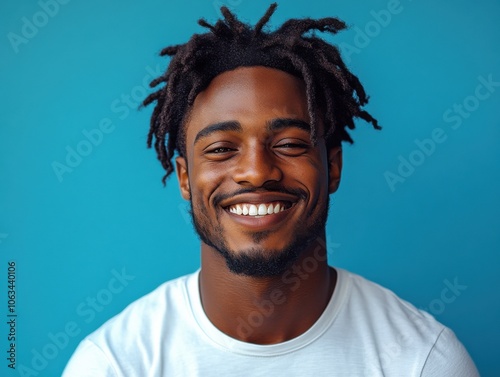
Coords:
281,123
272,125
218,127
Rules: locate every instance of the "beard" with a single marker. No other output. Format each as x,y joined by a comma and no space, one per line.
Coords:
256,261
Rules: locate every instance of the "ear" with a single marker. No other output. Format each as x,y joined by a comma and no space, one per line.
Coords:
334,168
183,177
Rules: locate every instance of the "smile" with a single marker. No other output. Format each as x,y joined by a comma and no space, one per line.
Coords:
258,209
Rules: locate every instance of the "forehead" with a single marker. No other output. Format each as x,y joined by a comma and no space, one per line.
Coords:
249,93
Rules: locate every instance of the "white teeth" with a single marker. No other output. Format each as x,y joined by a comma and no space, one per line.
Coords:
252,211
256,209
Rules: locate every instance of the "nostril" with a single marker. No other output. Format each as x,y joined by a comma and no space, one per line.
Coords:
258,176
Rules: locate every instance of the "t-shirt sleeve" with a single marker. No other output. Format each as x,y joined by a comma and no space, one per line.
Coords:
88,360
449,358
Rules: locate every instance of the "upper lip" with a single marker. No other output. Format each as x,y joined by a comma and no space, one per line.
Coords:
258,198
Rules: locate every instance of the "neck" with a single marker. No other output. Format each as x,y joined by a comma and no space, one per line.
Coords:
266,310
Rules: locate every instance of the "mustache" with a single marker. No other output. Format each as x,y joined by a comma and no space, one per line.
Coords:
274,189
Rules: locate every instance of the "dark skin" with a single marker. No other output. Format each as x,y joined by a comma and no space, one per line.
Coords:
248,130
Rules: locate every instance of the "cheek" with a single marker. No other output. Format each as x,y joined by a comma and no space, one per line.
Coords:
320,170
311,173
204,182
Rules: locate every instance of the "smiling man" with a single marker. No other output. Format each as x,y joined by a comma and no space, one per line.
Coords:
257,119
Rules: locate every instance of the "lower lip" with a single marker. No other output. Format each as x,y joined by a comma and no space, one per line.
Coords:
265,222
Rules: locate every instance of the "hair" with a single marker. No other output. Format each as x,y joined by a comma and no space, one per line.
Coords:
332,90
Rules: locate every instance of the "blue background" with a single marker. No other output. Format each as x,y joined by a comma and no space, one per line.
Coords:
67,233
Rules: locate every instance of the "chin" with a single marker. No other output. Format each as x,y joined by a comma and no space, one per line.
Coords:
263,253
259,262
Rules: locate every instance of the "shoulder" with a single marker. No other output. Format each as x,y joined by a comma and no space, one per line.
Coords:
399,334
146,312
89,360
371,300
131,338
449,358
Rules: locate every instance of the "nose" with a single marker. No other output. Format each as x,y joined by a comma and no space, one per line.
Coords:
256,167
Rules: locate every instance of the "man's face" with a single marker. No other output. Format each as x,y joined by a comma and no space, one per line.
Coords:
258,187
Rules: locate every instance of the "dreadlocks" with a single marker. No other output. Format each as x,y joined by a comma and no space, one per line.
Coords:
331,89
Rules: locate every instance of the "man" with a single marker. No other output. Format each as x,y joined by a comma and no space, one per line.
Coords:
257,120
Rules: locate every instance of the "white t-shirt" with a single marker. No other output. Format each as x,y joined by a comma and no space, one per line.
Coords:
365,330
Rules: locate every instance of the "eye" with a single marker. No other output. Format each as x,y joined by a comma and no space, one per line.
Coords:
291,147
219,150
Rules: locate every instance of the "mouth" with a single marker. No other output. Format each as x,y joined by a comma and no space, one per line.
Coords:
259,209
